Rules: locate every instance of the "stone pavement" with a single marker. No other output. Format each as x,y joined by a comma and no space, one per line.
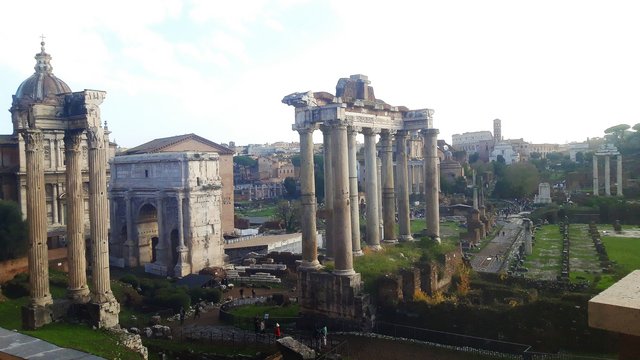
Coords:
495,255
14,345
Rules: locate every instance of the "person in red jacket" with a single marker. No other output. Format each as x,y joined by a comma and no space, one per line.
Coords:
277,330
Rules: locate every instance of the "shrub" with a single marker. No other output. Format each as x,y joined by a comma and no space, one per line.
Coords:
17,287
174,298
206,294
131,280
131,298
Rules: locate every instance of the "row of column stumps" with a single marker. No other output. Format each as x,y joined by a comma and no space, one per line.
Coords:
607,175
77,290
341,200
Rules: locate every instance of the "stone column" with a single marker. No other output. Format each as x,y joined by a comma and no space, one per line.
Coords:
353,191
54,204
619,175
379,177
328,189
161,248
403,186
183,267
77,290
129,249
431,175
607,176
343,245
596,184
35,313
475,191
388,192
308,200
371,188
101,294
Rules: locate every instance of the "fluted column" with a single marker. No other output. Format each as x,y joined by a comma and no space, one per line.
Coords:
353,191
619,175
388,192
77,290
343,253
402,172
308,199
98,212
607,175
161,248
37,256
432,173
371,188
596,184
379,193
183,267
328,151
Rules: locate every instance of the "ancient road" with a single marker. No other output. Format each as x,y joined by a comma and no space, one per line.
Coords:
494,257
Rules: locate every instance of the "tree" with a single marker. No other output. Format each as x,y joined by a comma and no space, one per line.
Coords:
616,133
474,157
535,155
519,180
580,157
288,212
245,161
13,231
290,186
500,159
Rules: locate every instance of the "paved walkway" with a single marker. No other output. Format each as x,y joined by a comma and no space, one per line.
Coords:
492,258
14,345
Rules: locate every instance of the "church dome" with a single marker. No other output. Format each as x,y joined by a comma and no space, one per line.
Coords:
42,84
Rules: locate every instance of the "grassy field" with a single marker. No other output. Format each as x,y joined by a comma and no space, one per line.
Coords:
625,251
545,260
75,336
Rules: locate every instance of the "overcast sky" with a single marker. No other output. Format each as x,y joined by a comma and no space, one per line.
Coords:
552,71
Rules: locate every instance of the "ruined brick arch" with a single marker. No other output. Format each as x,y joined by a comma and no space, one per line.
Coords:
146,223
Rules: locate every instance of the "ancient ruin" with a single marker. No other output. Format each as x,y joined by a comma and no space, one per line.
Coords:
340,117
44,103
607,151
166,212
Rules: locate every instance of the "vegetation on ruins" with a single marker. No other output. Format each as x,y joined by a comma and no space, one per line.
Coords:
13,231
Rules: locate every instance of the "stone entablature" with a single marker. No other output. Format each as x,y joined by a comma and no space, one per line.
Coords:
166,211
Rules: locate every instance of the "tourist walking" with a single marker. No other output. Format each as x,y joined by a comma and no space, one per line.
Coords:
241,293
181,315
277,330
253,292
196,314
323,335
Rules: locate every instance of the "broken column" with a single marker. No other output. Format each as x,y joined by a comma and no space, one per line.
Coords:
595,175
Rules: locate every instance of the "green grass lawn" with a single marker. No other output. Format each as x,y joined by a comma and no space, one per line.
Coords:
625,251
251,311
545,259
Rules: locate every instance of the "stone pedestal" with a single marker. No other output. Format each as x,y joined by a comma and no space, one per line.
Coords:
105,314
617,309
182,268
328,296
35,316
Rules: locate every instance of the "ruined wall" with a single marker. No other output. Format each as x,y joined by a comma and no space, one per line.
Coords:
226,175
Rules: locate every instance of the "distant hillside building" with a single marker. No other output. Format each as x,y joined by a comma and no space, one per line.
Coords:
480,142
505,150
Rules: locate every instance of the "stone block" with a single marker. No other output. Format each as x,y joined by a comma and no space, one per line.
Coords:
617,308
34,317
292,349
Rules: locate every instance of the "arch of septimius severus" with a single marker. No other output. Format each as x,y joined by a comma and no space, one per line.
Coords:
354,109
44,104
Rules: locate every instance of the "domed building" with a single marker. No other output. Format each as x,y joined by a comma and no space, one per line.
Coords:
42,88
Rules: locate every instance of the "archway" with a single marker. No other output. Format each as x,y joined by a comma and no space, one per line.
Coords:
147,226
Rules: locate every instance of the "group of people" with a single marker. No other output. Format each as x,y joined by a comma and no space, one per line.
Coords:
183,314
259,326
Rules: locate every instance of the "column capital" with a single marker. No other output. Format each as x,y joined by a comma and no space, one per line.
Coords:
387,132
33,139
430,132
402,133
95,138
306,128
337,124
354,130
371,131
73,140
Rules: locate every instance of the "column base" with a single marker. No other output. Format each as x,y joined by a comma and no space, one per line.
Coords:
104,315
376,247
390,241
358,253
404,238
309,265
79,296
181,270
348,272
36,316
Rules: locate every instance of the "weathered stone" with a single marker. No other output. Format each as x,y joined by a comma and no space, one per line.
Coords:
292,349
